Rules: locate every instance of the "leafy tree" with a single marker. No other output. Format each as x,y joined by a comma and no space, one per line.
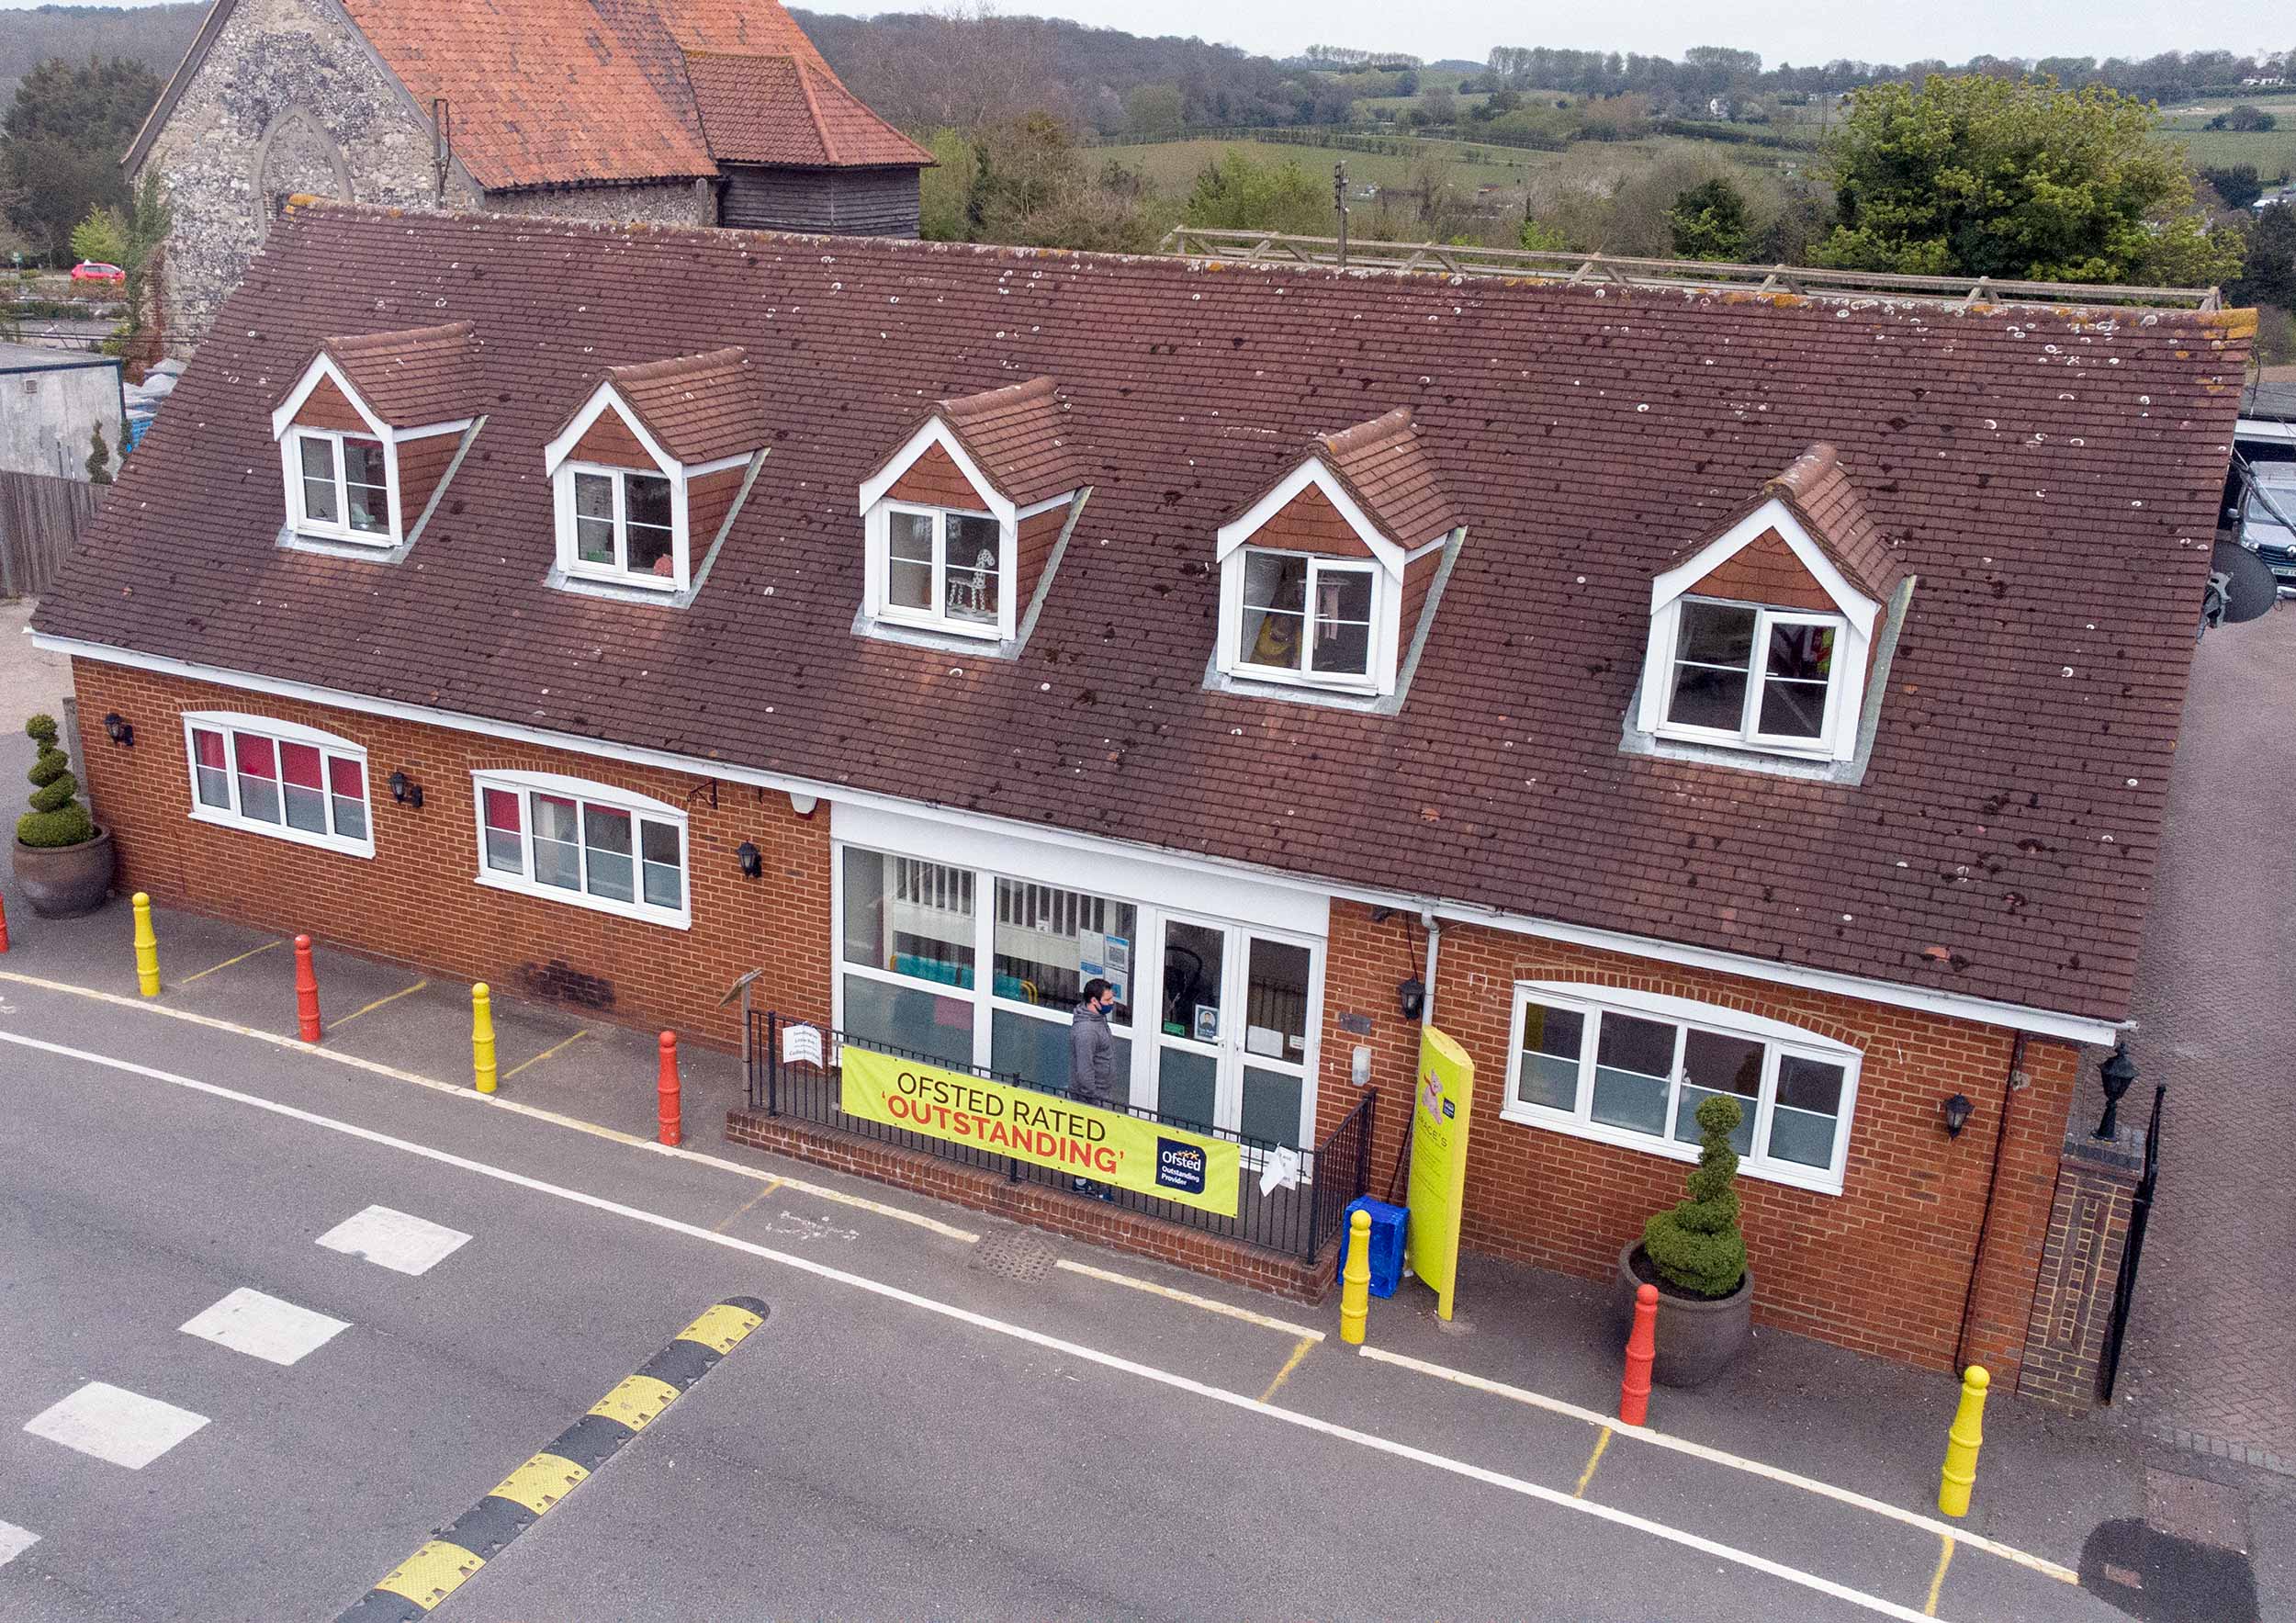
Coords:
1439,104
1154,110
2269,276
67,131
56,819
1541,238
1697,1245
99,456
129,238
1237,191
2009,177
944,201
2254,120
1709,223
2238,185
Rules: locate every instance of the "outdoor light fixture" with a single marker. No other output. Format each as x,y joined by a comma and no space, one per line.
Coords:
1957,1112
119,730
752,862
2117,1072
1410,996
406,791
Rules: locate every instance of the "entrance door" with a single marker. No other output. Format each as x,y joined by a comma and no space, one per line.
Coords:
1234,1044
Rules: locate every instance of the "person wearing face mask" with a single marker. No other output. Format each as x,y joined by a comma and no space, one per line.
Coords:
1092,1066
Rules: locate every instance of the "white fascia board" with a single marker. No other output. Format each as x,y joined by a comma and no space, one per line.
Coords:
1773,514
323,366
1312,471
694,471
937,432
603,399
430,430
2263,428
1983,1011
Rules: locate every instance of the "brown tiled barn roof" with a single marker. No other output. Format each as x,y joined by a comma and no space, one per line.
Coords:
790,110
2001,845
415,377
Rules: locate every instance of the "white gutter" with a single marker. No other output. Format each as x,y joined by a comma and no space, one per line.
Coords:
2071,1027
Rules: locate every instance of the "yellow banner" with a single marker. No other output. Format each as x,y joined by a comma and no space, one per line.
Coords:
1108,1146
1438,1163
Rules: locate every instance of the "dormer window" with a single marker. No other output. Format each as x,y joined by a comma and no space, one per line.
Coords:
1324,574
1760,636
962,523
649,471
371,431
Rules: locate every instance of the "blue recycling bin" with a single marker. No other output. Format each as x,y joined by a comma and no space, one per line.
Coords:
1387,1242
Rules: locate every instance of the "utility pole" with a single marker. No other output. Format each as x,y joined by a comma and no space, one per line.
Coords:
1339,201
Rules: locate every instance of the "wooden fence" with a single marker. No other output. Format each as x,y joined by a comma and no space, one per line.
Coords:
41,518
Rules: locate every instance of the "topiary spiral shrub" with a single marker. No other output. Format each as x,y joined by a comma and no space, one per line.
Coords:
56,819
1697,1247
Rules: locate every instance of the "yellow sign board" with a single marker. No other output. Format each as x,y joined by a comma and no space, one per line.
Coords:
1108,1146
1444,1098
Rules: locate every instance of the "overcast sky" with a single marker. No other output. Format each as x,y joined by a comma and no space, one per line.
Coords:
1782,31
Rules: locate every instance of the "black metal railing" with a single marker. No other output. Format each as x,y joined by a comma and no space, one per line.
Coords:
2131,1252
1295,1218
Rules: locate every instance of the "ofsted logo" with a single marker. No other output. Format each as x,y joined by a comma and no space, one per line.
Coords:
1179,1166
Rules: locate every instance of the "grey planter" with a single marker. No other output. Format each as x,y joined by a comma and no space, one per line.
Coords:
65,881
1697,1340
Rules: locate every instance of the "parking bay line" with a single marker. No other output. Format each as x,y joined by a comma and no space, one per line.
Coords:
1714,1456
495,1100
1172,1292
200,974
805,1265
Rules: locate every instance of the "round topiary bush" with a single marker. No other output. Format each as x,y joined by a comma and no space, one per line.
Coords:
1697,1247
56,819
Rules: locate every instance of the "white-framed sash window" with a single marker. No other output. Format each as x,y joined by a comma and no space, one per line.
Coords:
289,782
1631,1068
567,840
340,487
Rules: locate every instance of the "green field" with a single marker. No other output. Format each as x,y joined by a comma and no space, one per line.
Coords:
1173,165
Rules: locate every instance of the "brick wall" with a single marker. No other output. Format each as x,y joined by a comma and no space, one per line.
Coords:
417,902
2080,1266
1883,1268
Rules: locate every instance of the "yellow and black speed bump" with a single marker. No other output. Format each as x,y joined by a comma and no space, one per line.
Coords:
452,1554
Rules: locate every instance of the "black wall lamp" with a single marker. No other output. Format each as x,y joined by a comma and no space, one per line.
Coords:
2115,1075
1958,1111
119,730
406,791
1410,996
752,862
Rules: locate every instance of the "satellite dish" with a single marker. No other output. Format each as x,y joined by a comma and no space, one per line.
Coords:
2250,591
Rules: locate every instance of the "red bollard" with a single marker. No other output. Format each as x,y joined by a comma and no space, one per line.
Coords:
668,1089
306,990
1642,1348
4,924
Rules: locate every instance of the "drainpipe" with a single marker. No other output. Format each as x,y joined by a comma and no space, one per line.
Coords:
2010,1090
1435,942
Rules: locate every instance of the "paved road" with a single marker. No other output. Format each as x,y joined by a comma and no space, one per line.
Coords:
917,1427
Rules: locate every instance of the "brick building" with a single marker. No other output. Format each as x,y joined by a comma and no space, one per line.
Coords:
694,112
1663,692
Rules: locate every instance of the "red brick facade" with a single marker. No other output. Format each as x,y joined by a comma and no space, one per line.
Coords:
1884,1267
416,901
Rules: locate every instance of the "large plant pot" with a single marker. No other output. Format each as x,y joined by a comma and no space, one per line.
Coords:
1697,1339
65,881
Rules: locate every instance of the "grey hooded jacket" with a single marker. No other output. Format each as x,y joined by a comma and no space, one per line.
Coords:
1092,1058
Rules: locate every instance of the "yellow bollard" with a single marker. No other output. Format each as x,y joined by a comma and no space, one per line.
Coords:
147,949
1355,1289
1961,1446
482,1038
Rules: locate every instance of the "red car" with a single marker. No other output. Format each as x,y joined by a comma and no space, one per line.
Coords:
96,270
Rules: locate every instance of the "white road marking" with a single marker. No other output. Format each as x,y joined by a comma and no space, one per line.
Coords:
1529,1490
1643,1434
1225,1309
463,1090
113,1424
15,1541
397,1240
265,1328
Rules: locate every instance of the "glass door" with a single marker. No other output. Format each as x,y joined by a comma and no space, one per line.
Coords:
1234,1038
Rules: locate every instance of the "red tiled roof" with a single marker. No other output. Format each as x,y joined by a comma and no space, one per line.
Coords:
2001,845
787,110
1017,436
1388,473
1819,492
700,408
415,377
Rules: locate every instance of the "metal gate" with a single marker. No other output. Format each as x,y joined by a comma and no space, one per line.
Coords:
2132,1249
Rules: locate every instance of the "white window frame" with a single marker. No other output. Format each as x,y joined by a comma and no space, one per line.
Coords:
329,745
299,518
879,530
1387,558
619,572
584,793
1748,734
1779,1041
1381,634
